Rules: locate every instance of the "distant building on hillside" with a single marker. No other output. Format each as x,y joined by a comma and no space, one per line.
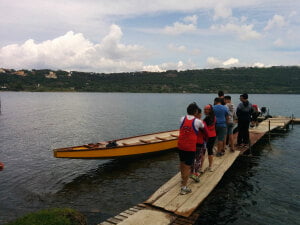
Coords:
51,75
2,70
20,73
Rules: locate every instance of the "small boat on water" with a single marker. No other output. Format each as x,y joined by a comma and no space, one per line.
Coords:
144,144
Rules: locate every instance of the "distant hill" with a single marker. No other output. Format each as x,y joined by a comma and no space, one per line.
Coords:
234,80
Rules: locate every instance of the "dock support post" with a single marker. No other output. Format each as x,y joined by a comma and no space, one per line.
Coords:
269,131
292,121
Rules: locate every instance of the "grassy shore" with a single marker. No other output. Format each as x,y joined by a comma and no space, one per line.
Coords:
55,216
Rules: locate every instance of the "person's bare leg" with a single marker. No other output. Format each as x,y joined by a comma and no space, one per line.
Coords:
210,160
182,172
185,173
231,144
202,162
220,146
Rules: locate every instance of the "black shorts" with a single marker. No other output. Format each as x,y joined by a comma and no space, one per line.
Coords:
186,157
210,145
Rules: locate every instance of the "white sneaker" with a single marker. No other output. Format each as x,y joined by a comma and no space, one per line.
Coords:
185,190
210,169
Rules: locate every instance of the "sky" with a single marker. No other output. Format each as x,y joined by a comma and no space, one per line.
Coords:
110,36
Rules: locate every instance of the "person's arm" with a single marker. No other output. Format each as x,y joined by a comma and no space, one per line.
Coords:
205,131
238,111
199,124
234,113
227,115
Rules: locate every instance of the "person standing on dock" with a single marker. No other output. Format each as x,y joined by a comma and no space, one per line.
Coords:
187,140
210,123
221,113
200,151
244,112
222,97
230,122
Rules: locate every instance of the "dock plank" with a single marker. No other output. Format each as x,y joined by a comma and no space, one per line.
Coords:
180,200
164,188
149,217
168,197
203,190
172,208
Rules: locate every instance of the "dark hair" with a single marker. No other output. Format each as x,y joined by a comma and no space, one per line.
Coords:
220,93
244,96
218,100
210,118
193,108
227,97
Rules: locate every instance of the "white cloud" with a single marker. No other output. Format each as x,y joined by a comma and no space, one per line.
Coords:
293,13
177,48
276,21
153,68
213,62
191,19
278,42
244,32
258,64
221,12
243,19
183,49
74,51
179,28
230,62
189,25
179,66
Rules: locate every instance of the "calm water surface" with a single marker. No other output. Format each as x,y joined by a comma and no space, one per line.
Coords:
263,189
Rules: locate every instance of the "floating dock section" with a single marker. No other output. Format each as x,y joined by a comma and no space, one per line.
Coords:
167,206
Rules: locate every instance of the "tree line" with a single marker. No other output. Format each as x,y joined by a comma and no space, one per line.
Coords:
280,79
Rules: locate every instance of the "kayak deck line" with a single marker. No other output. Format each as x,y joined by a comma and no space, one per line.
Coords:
137,145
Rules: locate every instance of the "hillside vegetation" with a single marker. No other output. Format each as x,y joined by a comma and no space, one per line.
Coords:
233,80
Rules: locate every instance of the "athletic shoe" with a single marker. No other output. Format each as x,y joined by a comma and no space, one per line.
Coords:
201,171
195,178
210,169
219,154
185,190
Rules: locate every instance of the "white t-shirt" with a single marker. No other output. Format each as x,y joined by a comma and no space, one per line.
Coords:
198,123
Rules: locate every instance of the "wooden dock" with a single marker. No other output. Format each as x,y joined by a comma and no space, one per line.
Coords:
167,206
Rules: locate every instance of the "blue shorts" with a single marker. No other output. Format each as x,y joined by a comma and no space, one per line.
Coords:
230,128
187,157
221,133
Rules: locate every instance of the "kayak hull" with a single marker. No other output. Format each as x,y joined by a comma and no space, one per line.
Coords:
138,145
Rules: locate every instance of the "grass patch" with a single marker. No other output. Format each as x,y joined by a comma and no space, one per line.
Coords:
55,216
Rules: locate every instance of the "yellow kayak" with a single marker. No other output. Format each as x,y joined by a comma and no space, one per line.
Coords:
144,144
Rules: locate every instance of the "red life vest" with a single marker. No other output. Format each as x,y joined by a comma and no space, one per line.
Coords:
211,129
187,135
200,137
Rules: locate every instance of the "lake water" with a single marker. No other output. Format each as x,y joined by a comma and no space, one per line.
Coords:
263,189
